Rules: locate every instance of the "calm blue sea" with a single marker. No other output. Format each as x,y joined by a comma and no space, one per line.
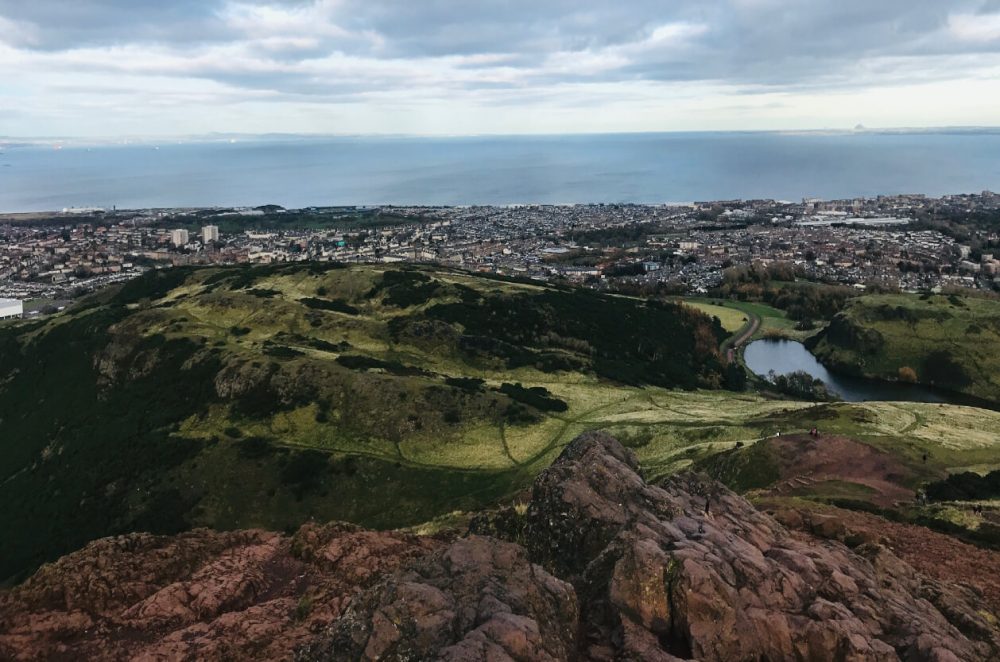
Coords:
646,168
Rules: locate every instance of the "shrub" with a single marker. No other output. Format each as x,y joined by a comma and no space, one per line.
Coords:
800,384
537,397
357,362
939,367
281,352
907,374
965,486
330,304
465,383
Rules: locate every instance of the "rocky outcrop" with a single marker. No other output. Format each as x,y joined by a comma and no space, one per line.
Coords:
600,566
478,599
199,595
686,569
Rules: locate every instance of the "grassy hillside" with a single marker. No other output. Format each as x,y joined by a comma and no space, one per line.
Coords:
947,341
263,397
267,396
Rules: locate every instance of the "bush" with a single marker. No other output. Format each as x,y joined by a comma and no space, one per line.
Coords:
465,383
281,352
357,362
907,374
537,397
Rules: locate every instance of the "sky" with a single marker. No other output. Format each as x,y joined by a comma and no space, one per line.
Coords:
110,68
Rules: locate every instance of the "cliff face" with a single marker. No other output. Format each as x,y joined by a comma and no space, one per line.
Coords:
600,566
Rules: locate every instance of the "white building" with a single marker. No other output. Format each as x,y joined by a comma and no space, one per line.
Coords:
11,309
179,237
210,233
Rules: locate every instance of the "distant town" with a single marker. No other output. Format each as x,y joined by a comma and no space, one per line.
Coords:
912,242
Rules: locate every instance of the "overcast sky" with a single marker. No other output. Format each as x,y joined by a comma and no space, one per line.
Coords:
174,67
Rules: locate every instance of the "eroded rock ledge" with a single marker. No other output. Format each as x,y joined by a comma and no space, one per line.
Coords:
601,566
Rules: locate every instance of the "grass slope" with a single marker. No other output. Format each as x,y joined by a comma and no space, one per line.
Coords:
947,341
263,397
268,396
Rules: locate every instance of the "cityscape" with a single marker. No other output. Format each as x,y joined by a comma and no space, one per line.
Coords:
684,249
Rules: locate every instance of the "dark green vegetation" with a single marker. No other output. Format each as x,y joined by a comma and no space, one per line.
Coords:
780,285
266,396
275,219
950,341
965,486
800,384
975,227
877,458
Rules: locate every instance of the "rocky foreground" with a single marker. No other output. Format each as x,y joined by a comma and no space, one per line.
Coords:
599,566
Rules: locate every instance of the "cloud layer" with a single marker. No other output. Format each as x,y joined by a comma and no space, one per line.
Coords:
112,67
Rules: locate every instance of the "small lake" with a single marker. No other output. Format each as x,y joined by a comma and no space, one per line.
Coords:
785,356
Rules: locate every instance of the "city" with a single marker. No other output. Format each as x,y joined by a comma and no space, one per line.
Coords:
894,241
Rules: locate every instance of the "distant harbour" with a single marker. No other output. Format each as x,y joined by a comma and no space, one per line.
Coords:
640,168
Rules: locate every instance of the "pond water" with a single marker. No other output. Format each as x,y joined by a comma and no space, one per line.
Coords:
785,356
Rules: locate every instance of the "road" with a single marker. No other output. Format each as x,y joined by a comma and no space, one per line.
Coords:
734,342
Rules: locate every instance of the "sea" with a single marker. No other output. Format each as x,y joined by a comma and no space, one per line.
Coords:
648,168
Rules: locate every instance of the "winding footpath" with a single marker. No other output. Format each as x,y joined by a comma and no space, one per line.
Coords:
733,343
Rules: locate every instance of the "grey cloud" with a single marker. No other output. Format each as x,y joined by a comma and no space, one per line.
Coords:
744,42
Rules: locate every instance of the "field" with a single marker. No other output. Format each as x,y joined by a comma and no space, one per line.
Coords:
947,341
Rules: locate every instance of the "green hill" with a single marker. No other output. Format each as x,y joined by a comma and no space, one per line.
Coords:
266,396
390,397
948,341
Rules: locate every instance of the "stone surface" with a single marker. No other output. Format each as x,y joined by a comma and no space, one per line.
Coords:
480,598
657,577
199,595
600,566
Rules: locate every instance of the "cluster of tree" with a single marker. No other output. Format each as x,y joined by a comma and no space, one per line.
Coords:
965,486
810,301
658,289
942,369
749,282
775,284
625,269
800,384
632,234
634,342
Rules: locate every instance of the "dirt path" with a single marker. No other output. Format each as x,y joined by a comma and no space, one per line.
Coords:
730,345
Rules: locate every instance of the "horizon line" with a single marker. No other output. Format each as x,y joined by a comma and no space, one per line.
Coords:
227,135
